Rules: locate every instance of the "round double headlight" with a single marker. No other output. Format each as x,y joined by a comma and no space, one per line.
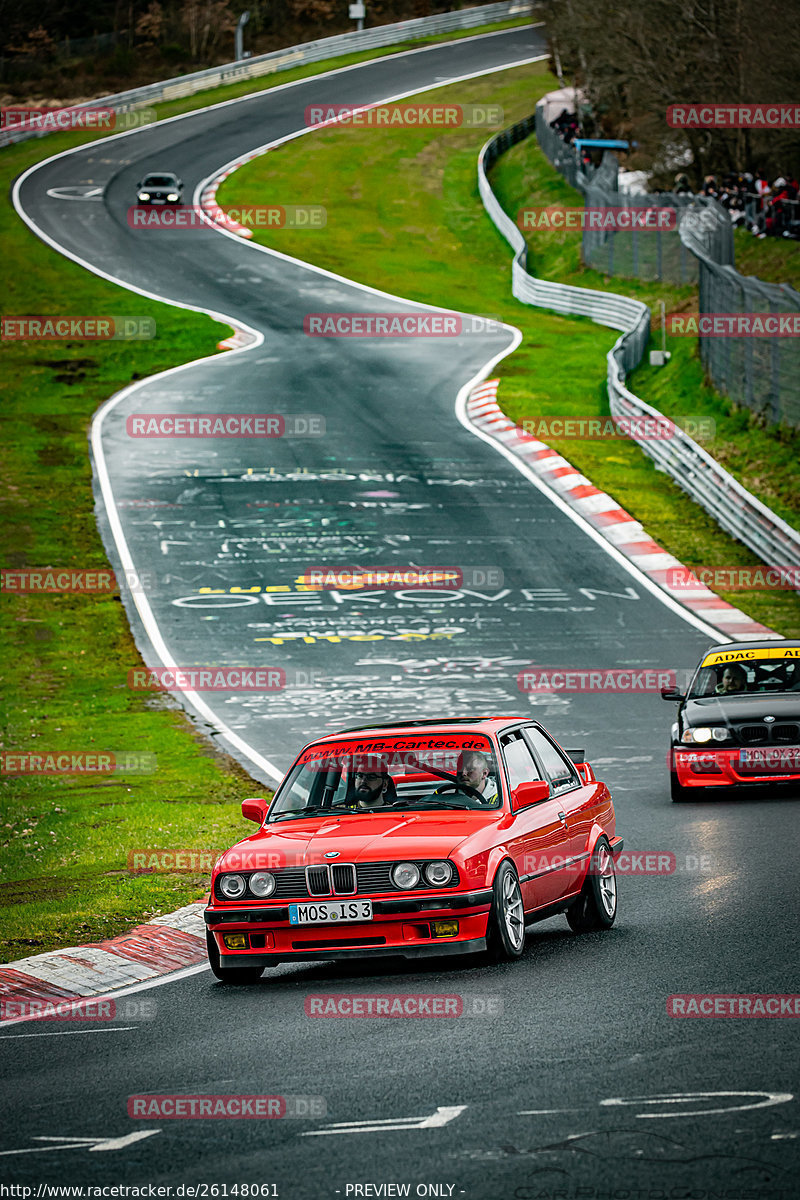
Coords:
702,734
405,875
719,734
172,196
144,195
262,884
233,887
439,873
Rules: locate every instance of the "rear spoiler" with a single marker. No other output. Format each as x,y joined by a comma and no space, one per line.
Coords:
584,770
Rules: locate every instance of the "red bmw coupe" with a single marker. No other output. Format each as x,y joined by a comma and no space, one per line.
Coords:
425,838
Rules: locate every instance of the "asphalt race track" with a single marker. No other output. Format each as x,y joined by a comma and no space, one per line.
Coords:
571,1076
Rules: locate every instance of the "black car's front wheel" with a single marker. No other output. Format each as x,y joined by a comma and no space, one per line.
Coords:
596,907
677,791
507,918
229,974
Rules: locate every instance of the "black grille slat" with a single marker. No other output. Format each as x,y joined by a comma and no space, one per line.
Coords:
753,734
786,734
343,876
318,881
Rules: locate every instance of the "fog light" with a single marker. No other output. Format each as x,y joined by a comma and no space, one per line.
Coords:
444,928
235,941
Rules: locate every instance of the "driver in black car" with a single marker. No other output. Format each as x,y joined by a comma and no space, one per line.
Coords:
734,679
472,770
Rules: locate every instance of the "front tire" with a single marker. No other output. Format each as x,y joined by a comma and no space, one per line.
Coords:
596,907
229,974
507,918
679,794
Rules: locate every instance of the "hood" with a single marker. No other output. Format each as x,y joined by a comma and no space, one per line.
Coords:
302,842
739,709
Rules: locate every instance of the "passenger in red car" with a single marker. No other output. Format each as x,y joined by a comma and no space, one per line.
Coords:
373,786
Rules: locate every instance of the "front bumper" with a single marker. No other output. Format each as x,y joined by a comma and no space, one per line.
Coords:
736,766
399,927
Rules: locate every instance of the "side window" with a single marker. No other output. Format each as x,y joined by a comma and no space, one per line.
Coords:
557,767
520,763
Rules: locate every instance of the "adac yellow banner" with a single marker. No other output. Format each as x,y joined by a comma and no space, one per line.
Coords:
744,655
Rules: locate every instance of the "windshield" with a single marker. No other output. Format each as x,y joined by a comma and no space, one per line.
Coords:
736,675
397,774
159,181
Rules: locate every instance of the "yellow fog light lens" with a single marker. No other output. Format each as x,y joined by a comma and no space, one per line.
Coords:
444,928
235,941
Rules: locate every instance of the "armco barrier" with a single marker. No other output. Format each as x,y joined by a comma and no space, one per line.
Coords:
293,56
736,510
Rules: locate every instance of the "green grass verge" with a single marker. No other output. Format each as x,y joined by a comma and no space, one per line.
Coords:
64,843
410,197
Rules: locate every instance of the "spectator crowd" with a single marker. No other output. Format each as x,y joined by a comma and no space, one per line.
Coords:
766,209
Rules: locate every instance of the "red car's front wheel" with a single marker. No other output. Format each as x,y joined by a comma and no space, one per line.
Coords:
507,918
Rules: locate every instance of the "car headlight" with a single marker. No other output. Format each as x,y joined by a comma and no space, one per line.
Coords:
144,195
701,734
172,196
438,874
262,884
405,875
232,886
719,734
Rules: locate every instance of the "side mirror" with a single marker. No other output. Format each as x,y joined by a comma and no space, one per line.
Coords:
672,694
526,794
180,183
254,809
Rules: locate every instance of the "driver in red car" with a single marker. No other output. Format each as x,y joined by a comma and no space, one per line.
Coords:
472,770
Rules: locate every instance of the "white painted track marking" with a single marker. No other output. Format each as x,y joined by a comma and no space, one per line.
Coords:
443,1115
768,1099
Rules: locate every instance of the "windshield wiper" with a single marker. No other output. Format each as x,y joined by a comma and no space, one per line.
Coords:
302,812
437,804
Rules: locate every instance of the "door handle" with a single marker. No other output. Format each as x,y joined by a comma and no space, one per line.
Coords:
562,817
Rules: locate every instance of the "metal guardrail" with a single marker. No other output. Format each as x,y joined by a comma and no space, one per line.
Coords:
292,56
735,509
